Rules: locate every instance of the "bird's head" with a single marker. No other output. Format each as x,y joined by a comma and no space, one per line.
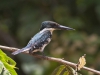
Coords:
54,26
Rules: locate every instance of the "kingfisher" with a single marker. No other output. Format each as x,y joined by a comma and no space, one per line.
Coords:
42,38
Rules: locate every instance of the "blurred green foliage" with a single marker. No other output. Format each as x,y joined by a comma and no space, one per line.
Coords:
21,19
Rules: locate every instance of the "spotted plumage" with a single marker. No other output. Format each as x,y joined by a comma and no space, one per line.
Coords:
42,38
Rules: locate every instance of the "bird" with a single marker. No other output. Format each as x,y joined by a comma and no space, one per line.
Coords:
42,38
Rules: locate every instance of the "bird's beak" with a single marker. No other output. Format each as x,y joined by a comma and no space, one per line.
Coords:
64,28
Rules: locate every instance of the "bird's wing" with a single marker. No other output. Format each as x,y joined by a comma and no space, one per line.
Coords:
40,40
37,42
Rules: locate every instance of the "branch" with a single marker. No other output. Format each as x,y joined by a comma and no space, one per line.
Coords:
51,59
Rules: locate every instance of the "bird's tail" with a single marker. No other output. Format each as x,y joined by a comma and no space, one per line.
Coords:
21,50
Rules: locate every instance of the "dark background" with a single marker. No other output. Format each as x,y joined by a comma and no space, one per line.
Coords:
21,19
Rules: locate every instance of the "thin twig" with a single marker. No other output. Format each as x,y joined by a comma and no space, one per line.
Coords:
51,59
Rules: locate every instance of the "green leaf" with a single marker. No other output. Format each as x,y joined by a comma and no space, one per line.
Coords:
66,73
64,70
3,70
8,63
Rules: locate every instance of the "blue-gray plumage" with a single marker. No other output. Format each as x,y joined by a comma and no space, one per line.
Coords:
42,38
